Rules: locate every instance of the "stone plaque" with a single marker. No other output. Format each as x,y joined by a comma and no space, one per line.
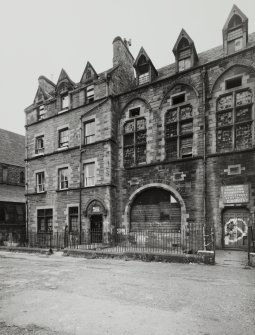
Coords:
233,194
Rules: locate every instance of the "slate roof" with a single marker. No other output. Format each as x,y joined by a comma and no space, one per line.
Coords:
12,148
203,58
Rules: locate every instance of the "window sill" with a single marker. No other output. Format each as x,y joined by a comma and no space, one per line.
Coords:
62,148
41,154
43,192
63,110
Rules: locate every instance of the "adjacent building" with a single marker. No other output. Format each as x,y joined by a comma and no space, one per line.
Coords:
12,185
137,148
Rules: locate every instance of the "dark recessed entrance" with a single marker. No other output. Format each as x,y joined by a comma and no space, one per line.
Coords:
96,228
235,228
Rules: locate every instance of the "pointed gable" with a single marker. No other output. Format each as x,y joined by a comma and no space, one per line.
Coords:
145,70
45,90
64,82
185,52
235,31
89,74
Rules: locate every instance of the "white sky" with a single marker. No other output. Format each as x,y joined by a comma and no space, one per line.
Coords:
41,37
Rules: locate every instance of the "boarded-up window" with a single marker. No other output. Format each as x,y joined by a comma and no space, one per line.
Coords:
155,209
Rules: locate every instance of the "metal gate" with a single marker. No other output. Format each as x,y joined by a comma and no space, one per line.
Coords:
235,228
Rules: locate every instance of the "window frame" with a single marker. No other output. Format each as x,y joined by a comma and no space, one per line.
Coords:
40,115
47,216
86,177
65,144
233,109
135,145
39,150
64,106
63,178
179,133
70,217
86,137
40,182
90,93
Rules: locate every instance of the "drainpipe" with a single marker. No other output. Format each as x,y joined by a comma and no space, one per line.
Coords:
203,75
80,182
26,183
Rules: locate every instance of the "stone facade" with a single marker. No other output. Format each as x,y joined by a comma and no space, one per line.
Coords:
12,185
185,131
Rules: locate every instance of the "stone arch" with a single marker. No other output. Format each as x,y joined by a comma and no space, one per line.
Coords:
165,187
96,202
175,84
245,64
130,102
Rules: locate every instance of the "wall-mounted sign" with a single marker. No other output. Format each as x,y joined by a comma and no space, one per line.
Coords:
95,209
234,194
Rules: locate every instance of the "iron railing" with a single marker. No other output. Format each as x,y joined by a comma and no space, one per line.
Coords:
251,241
189,240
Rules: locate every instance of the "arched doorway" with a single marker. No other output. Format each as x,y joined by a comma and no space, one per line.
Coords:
155,208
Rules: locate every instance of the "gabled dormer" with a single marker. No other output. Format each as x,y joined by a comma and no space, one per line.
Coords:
145,70
235,31
64,82
45,90
89,74
64,85
185,52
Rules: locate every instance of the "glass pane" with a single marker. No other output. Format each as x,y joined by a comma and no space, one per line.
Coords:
225,102
141,137
224,139
171,130
141,154
244,97
48,212
65,101
171,116
128,156
41,224
186,127
129,127
171,149
243,114
90,128
186,112
186,146
140,124
73,210
243,136
128,139
224,119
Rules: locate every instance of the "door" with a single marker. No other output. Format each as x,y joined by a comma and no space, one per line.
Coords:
235,228
96,228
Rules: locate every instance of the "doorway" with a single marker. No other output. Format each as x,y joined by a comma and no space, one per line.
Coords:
96,228
235,228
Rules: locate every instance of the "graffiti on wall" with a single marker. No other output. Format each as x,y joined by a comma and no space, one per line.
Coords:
235,230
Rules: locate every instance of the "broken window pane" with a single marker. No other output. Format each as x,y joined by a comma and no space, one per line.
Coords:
224,119
224,140
243,114
243,136
243,98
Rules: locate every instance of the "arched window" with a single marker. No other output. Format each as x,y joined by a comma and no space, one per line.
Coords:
134,141
155,209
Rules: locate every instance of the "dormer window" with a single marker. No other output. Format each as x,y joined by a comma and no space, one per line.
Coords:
143,68
90,94
65,102
41,112
235,31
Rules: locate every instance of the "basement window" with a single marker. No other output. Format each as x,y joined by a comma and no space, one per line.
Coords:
234,82
178,99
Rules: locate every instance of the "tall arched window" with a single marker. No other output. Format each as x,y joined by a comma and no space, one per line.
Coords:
134,140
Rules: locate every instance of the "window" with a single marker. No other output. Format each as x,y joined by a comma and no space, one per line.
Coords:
44,220
89,132
143,70
90,93
63,138
134,112
65,102
89,174
22,177
179,132
184,64
134,142
41,112
39,145
234,121
12,213
63,178
40,182
73,219
5,174
235,34
233,82
178,99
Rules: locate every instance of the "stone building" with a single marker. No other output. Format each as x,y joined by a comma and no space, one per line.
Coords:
12,185
139,148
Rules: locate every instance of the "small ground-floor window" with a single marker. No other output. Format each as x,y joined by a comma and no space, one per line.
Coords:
44,220
73,219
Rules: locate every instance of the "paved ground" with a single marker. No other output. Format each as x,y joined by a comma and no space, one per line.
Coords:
58,295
